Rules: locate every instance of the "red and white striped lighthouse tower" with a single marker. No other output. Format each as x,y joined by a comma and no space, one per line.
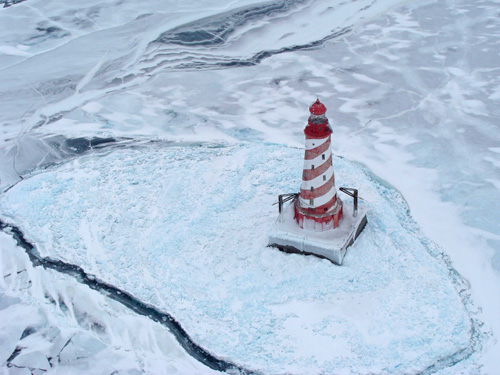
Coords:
307,224
318,207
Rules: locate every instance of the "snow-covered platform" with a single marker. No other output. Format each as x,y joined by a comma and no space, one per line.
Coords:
288,236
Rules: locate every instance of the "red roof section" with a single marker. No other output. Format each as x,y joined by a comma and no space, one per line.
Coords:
317,108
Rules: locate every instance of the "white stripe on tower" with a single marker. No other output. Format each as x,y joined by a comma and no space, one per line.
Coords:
319,201
318,181
313,143
318,160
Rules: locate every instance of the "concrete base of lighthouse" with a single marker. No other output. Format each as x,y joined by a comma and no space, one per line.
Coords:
288,236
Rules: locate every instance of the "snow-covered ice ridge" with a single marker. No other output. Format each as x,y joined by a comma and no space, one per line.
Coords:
52,324
184,229
412,92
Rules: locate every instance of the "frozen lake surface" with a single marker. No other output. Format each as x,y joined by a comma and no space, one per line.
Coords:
412,90
184,229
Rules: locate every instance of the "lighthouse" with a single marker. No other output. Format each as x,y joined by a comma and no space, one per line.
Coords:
318,206
315,221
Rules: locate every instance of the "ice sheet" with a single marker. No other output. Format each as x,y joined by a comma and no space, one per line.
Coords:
185,230
412,93
51,324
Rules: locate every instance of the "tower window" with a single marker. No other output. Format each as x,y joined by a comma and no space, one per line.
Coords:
326,208
312,166
312,188
324,177
323,156
311,201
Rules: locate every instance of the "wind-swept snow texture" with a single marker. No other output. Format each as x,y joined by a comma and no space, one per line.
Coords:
184,229
412,89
